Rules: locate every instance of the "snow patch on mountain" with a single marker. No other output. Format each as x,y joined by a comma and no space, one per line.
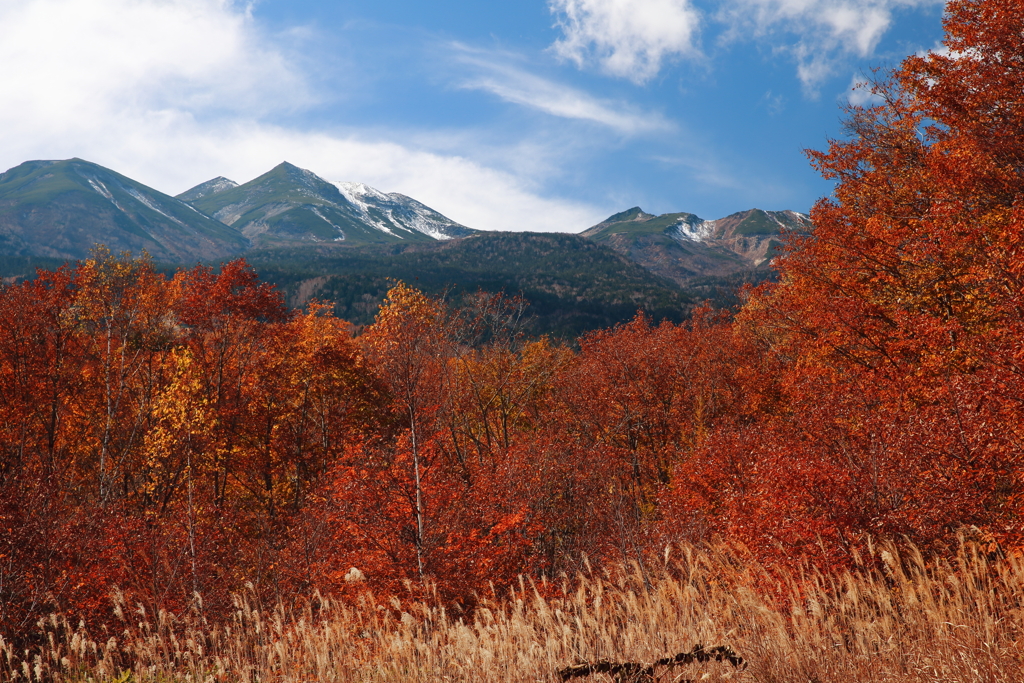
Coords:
341,232
146,201
358,193
694,231
388,212
102,189
783,225
428,226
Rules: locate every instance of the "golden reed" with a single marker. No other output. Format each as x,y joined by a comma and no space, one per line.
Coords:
897,617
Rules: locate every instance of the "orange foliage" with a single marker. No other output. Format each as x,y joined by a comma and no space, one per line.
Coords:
898,321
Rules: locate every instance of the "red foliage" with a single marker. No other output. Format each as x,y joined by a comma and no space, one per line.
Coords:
194,436
895,327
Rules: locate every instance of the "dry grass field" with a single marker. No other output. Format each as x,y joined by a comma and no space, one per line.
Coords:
897,618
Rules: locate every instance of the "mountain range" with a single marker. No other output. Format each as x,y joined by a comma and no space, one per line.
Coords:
345,241
60,209
683,247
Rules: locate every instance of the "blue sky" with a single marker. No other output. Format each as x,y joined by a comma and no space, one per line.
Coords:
513,115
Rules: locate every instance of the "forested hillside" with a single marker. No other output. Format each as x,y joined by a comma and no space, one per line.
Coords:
572,286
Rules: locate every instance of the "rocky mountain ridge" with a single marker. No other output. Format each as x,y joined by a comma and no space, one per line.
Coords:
683,247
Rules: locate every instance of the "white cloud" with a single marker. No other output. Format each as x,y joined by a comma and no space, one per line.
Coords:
174,92
627,38
104,55
511,83
464,190
825,29
633,38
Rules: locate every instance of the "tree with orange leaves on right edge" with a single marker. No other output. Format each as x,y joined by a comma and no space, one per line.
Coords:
901,317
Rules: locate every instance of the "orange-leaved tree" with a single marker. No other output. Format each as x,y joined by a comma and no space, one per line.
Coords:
899,318
441,498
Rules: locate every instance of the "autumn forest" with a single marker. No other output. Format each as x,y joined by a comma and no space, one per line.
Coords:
189,438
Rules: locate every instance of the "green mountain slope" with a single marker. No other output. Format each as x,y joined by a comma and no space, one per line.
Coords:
61,209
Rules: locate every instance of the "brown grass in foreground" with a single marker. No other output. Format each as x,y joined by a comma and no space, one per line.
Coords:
906,619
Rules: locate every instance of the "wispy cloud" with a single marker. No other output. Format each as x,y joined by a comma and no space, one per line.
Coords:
499,75
634,39
173,92
820,34
626,38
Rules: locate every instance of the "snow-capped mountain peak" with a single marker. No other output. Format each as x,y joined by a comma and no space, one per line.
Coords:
394,213
356,192
289,205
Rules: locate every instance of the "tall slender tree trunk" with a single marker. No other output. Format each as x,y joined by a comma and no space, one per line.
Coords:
419,493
